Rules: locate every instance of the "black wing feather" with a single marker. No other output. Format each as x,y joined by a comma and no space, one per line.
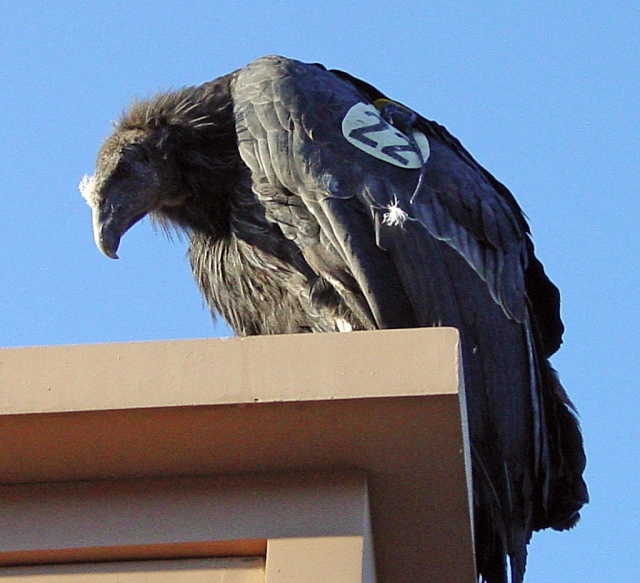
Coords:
461,228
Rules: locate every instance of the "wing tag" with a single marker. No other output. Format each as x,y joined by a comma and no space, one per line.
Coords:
364,127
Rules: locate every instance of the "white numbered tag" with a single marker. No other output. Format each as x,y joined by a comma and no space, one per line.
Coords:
364,127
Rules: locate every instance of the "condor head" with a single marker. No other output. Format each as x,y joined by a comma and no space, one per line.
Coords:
134,176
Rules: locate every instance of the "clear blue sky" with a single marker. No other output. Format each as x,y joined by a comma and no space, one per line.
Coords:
544,94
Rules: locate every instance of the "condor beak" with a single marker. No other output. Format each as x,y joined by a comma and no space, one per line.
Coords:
110,223
106,233
111,219
107,228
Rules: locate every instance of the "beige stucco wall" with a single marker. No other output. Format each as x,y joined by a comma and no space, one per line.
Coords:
236,570
386,404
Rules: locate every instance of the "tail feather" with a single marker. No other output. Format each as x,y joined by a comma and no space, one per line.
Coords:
567,491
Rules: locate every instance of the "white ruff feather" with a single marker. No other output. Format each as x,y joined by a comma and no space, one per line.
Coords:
87,189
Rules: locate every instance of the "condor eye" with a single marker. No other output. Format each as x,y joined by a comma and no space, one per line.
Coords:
124,170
